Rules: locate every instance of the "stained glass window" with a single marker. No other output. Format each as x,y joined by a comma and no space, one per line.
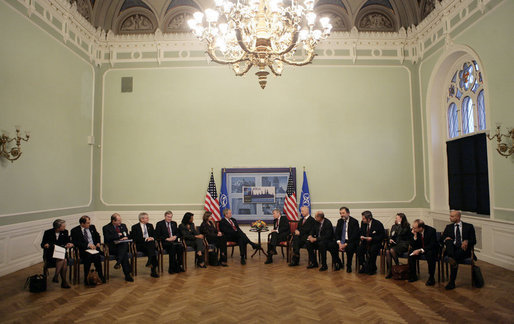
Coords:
465,99
467,116
481,111
453,121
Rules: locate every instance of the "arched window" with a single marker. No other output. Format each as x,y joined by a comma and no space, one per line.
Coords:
466,105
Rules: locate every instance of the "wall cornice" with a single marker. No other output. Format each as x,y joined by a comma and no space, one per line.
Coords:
106,48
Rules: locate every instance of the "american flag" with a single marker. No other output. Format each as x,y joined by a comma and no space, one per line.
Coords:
212,203
290,208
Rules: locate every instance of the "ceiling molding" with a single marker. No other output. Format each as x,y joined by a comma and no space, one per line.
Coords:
102,47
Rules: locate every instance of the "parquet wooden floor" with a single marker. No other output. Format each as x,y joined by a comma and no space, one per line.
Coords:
259,293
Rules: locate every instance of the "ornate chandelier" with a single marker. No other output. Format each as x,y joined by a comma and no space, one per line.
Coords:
261,33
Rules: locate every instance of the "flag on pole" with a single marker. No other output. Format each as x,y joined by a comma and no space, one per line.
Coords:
224,201
305,196
211,200
290,207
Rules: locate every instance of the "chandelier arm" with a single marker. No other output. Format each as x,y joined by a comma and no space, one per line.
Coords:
306,61
239,37
294,41
217,60
273,70
248,67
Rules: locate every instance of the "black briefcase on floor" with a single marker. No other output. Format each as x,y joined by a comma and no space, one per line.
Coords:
36,283
476,277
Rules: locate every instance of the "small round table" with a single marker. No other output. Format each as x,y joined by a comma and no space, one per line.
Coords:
259,249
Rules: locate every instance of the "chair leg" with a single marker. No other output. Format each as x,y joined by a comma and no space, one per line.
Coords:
438,271
232,254
185,260
382,262
282,249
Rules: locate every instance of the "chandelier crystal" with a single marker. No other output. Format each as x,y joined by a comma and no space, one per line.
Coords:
261,33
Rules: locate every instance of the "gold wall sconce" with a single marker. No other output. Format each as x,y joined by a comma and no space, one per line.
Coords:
505,149
12,153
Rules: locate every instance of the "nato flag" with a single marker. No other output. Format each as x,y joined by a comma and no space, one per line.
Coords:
224,202
305,197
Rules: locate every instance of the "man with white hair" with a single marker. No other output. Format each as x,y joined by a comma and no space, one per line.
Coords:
143,235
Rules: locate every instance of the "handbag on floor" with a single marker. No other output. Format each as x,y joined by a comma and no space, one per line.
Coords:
400,272
93,279
476,277
36,283
213,258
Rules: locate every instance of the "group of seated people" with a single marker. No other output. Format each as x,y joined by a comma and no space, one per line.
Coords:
311,233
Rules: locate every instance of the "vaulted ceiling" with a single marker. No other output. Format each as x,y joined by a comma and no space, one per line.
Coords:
170,16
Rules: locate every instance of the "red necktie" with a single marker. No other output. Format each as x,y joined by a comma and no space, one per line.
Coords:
169,229
304,219
422,241
368,230
233,226
117,229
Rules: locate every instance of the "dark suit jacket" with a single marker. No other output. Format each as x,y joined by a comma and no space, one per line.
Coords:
326,234
78,239
208,229
137,233
49,238
110,234
377,232
468,233
429,241
227,229
186,233
283,226
353,230
161,230
305,229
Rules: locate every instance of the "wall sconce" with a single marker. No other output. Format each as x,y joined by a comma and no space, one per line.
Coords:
15,152
504,149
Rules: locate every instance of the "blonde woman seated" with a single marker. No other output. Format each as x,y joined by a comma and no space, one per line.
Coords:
58,235
213,236
398,241
192,238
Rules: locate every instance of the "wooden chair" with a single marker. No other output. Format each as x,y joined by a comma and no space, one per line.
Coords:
468,261
230,244
190,249
108,257
288,243
70,252
79,261
138,254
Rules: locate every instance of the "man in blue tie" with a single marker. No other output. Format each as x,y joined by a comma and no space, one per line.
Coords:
85,237
347,235
459,239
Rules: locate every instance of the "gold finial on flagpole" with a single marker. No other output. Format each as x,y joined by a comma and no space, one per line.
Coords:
304,168
212,170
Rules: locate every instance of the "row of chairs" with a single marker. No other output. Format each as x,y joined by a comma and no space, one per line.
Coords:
74,260
441,261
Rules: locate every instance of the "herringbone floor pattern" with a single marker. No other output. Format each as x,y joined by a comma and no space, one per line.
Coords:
258,293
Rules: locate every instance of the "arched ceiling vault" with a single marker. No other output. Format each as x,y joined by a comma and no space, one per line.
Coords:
170,16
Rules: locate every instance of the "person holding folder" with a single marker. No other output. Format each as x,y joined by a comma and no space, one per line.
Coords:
56,236
117,240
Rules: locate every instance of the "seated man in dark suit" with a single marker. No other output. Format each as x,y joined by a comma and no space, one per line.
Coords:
167,232
372,235
231,230
115,237
86,237
279,233
423,242
305,226
143,235
347,235
459,239
322,238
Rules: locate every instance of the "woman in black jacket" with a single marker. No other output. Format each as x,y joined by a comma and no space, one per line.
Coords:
192,238
213,236
399,239
58,235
